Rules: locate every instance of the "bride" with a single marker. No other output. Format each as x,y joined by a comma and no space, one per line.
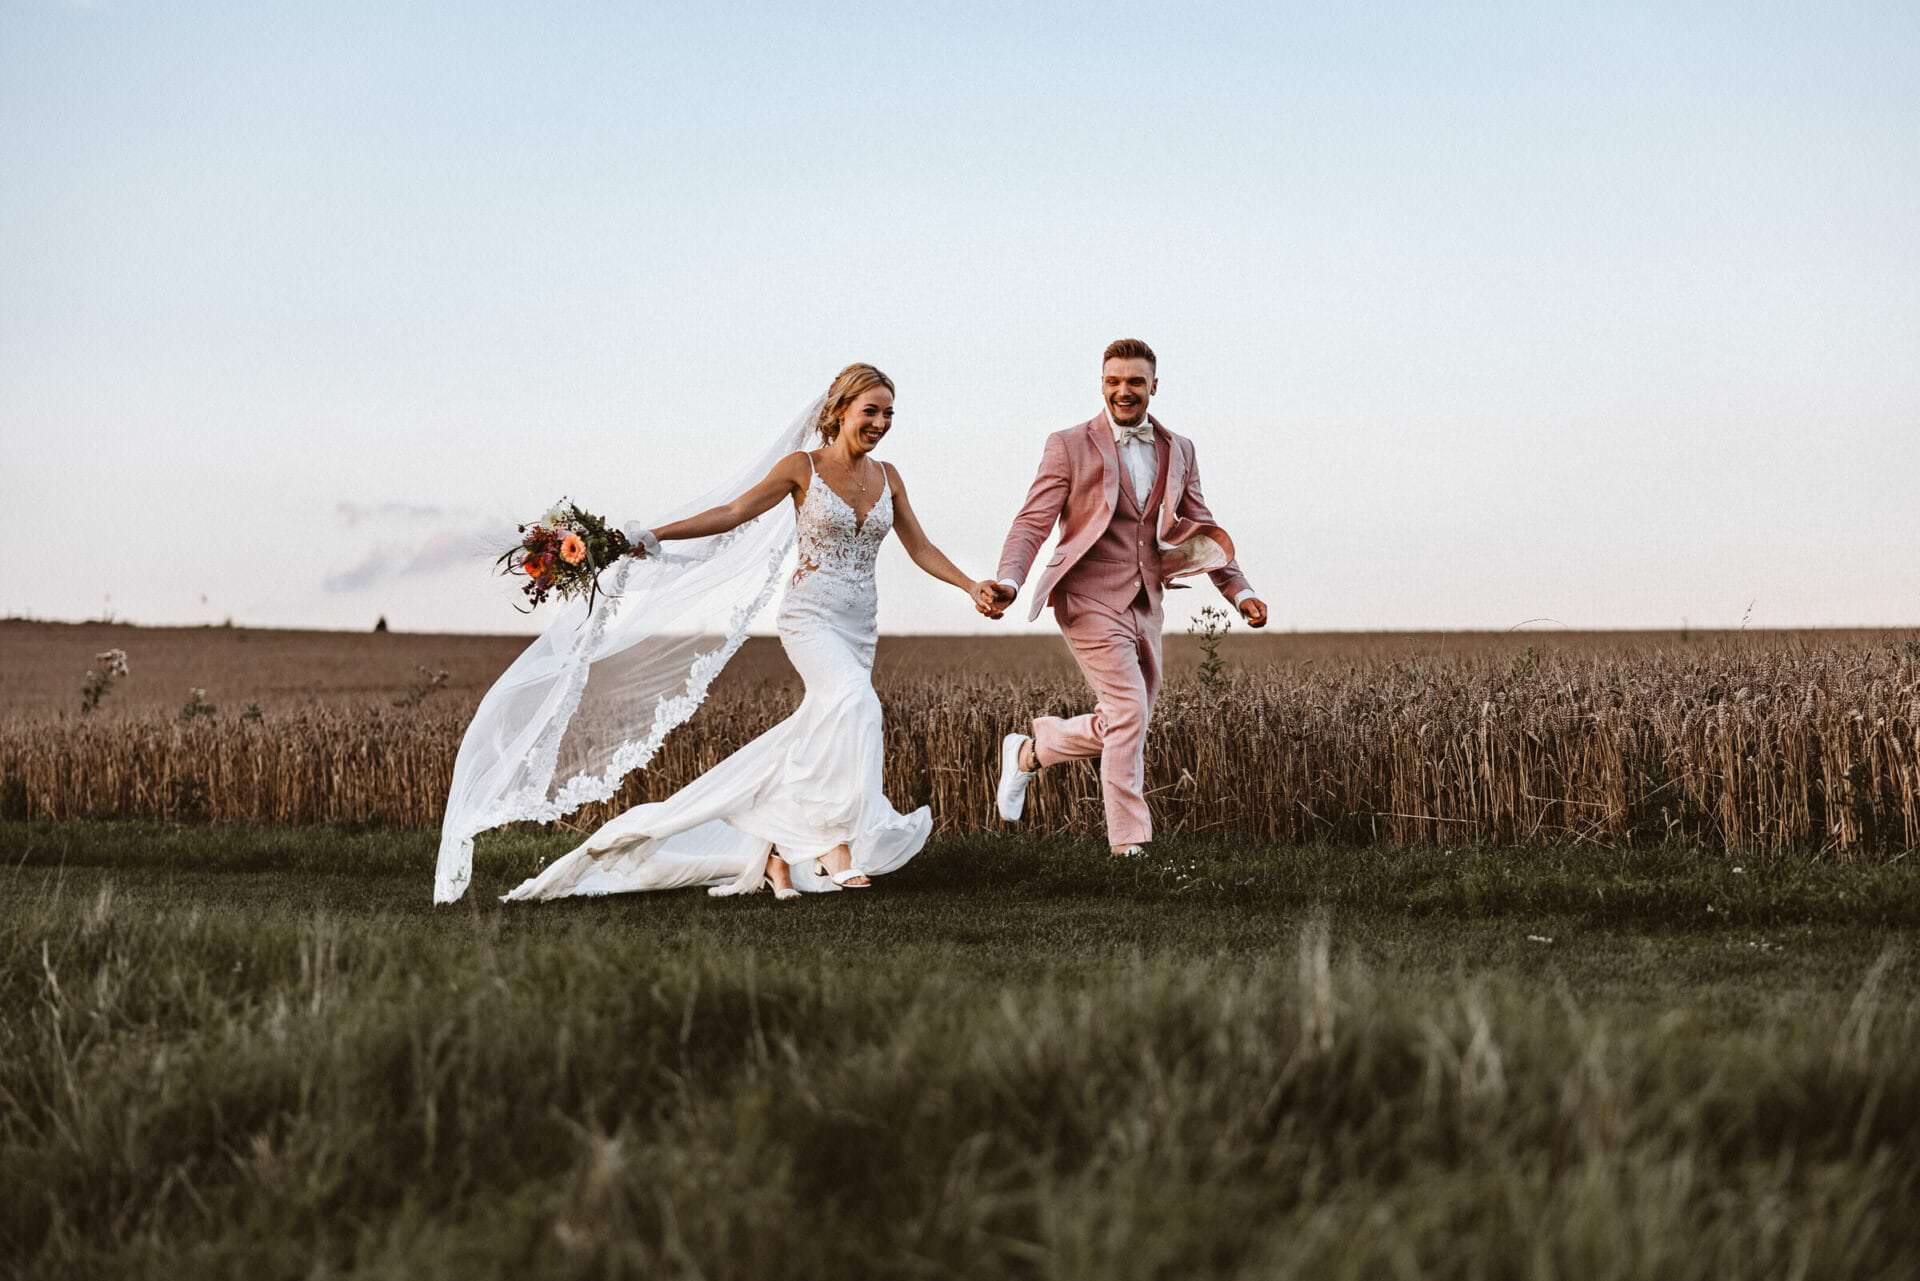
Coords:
801,807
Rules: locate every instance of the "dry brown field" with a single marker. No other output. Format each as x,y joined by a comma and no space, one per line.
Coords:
1750,741
286,670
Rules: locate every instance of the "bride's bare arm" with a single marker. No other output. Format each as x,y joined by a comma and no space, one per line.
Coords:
915,540
788,477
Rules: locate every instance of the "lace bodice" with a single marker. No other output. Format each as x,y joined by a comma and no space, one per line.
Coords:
834,543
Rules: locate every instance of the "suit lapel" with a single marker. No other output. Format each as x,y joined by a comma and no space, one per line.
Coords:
1109,461
1174,468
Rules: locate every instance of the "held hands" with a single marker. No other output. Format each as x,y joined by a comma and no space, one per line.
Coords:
991,598
1254,610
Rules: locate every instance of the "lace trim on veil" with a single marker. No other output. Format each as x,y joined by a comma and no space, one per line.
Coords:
533,803
670,713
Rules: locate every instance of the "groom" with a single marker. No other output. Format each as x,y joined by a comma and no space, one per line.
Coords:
1125,492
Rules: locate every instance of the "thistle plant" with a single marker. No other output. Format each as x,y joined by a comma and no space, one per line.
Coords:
106,669
430,682
1209,627
197,707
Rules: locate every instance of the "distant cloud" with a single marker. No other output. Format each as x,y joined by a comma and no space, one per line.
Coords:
448,548
468,546
376,566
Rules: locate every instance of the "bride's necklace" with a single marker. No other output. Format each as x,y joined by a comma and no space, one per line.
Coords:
851,476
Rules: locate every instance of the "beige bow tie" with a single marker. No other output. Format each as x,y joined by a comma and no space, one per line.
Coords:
1141,431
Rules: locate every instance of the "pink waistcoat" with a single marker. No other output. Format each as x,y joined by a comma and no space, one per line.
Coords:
1125,558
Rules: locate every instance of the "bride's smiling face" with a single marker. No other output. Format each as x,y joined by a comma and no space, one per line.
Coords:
867,420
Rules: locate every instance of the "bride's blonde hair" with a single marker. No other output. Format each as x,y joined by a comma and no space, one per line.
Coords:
848,386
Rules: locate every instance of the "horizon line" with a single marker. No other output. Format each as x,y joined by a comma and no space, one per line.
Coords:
1516,629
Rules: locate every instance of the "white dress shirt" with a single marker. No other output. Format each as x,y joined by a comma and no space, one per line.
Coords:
1139,457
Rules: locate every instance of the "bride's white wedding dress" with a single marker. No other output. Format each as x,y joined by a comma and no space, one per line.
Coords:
810,783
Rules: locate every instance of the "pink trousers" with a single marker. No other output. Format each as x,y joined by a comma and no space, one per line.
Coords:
1119,653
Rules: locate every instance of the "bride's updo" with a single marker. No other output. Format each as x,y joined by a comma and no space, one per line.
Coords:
848,386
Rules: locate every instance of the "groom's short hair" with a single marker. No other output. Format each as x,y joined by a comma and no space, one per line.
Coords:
1130,349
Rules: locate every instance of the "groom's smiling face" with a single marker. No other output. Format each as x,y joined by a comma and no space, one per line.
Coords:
1128,383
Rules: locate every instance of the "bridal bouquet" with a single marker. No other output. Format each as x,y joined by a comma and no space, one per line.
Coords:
562,554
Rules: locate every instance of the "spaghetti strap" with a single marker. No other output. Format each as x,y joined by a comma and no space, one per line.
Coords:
813,477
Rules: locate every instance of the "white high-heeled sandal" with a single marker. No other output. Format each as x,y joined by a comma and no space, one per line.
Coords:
844,879
781,894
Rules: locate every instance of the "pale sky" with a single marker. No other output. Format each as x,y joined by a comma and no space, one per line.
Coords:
1476,314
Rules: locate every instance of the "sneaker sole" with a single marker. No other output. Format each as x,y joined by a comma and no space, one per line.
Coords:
1010,765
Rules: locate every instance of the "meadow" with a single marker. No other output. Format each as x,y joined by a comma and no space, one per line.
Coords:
258,1052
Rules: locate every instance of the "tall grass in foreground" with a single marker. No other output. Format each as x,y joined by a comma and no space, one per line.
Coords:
192,1091
1763,746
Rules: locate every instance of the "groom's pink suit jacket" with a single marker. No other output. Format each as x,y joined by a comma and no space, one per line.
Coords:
1105,584
1078,487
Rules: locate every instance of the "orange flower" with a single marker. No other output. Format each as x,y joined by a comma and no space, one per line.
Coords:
572,550
538,566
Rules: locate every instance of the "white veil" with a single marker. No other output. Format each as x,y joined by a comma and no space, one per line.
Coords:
594,696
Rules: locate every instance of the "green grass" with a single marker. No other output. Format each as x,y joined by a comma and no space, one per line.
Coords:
257,1052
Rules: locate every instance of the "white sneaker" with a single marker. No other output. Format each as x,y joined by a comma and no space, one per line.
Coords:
1012,795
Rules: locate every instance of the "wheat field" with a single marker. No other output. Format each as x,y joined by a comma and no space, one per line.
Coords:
1763,741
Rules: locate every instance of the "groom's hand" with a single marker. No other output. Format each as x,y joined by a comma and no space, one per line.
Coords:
992,599
1254,610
